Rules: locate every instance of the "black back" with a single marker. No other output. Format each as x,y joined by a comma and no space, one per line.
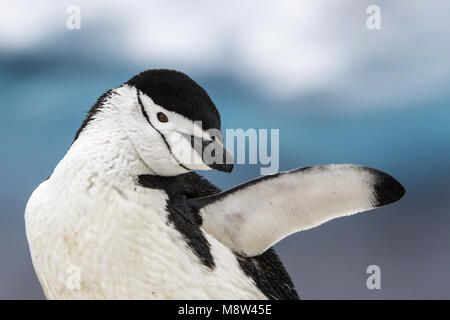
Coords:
266,270
93,111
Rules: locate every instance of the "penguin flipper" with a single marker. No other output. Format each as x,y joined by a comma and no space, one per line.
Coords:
253,216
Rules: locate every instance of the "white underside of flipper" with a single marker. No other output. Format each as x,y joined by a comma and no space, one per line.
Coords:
254,216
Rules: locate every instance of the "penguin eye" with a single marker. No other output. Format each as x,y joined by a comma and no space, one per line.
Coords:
162,117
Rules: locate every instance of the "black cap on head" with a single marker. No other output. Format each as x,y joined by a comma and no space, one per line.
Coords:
176,92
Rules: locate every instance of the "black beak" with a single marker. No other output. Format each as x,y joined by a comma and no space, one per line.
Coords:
213,153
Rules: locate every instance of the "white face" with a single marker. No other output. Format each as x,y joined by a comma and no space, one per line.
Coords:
162,138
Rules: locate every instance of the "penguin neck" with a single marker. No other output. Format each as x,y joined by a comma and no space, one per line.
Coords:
102,154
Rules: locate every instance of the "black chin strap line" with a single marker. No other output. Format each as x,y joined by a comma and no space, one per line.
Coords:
144,113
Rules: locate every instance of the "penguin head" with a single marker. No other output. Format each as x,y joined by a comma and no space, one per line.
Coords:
173,124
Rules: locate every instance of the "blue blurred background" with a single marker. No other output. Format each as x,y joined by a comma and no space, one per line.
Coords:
338,92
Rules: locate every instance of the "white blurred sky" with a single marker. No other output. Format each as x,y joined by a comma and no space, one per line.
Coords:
285,49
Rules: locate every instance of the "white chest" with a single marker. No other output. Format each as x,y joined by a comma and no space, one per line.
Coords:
116,243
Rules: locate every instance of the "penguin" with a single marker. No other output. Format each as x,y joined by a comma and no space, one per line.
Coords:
124,216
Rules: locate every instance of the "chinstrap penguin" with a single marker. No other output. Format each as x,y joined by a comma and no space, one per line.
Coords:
125,212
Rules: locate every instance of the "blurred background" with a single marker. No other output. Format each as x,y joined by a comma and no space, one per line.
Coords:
338,92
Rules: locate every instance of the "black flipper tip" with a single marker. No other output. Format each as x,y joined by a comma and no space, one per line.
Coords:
386,188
